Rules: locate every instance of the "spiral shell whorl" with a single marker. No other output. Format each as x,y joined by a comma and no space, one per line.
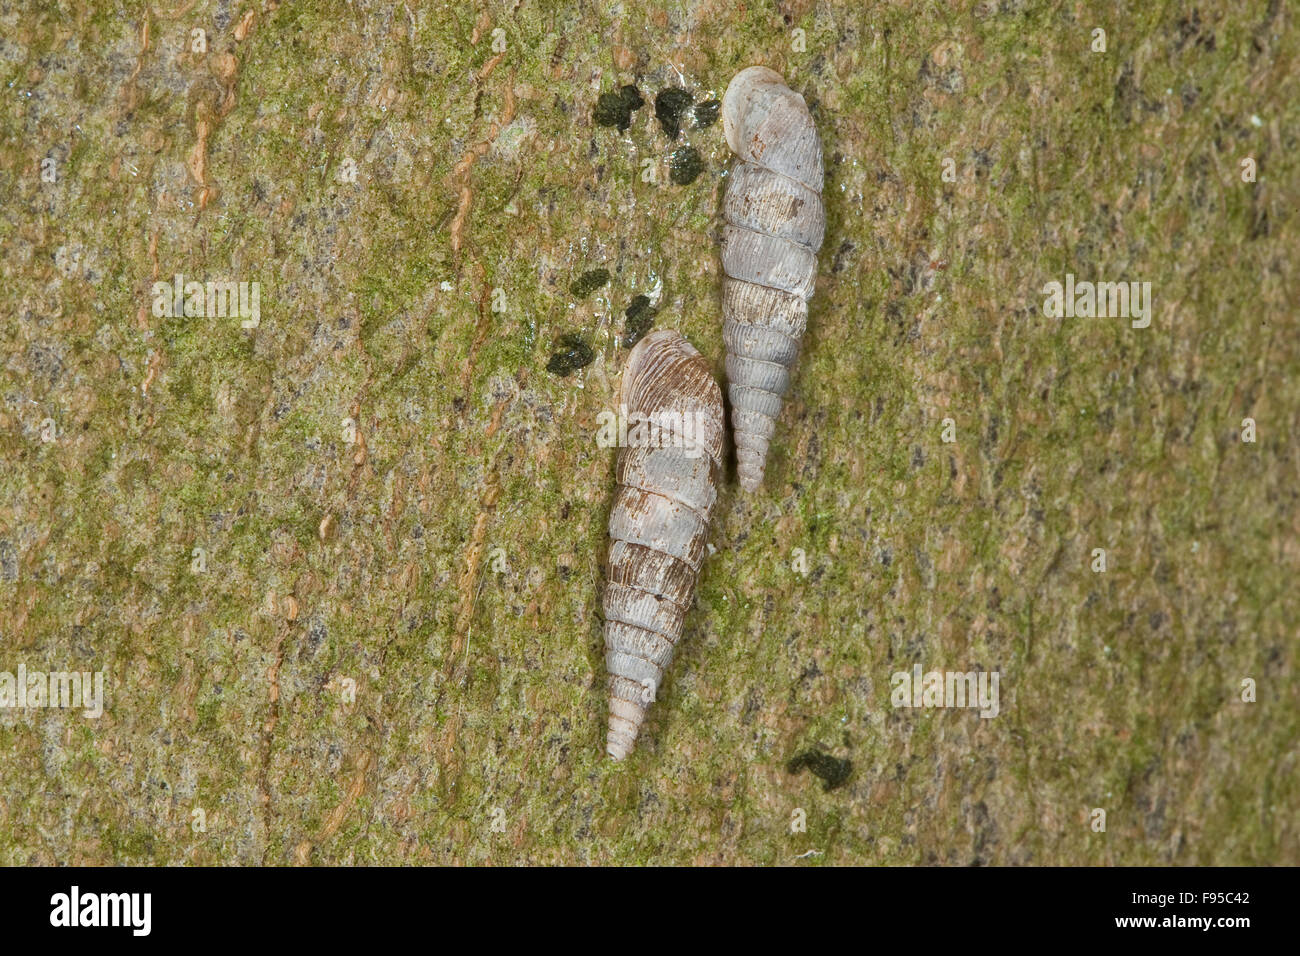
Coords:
667,484
775,226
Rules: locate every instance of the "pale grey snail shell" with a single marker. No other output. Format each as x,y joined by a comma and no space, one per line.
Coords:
775,222
667,476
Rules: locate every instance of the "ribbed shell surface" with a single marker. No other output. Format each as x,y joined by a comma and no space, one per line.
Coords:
775,223
667,479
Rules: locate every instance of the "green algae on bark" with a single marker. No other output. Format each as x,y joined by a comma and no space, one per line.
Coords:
458,588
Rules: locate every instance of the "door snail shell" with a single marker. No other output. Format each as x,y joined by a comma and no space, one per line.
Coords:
774,227
667,474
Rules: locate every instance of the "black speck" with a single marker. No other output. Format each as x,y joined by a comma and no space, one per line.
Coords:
685,165
316,636
842,255
589,282
670,104
574,354
45,363
615,109
832,771
8,562
640,317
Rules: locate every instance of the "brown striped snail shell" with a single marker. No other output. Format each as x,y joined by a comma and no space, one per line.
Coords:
774,227
667,476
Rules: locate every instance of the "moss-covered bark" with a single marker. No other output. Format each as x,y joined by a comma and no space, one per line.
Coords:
422,302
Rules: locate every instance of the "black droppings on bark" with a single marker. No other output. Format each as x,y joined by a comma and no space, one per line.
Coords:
670,104
832,771
573,354
589,282
685,165
616,108
640,317
706,113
